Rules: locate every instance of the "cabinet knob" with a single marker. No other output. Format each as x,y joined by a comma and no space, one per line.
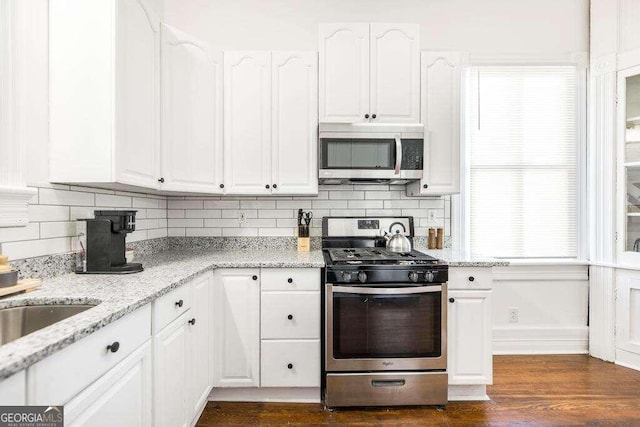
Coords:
179,303
289,280
425,185
161,180
290,366
221,185
113,347
452,300
366,116
471,278
266,186
290,317
275,185
255,277
373,116
192,321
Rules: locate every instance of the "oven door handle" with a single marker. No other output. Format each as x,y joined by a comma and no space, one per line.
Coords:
398,155
386,291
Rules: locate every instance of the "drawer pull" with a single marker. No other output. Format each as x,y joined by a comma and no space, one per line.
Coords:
471,278
387,383
290,280
290,317
113,347
192,321
180,303
290,366
255,277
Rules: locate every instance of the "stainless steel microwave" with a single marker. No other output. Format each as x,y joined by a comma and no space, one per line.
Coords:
365,152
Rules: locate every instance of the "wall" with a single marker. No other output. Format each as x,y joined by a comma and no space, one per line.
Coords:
534,26
277,216
54,209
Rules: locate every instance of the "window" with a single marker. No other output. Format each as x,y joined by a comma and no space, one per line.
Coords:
523,141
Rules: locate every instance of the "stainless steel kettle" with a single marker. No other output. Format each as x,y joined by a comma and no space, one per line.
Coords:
397,242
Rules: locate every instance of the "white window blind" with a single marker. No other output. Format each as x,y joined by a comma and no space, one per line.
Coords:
522,131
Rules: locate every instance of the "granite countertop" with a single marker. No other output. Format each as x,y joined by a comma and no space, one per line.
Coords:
461,259
118,295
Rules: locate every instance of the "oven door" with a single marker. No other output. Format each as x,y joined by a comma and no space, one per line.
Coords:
386,328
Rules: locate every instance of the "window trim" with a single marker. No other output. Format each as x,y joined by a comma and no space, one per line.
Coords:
460,209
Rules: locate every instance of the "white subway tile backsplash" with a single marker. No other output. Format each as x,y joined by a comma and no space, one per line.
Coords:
184,204
219,204
346,195
50,196
154,213
329,204
203,213
33,248
157,233
240,232
235,213
40,213
145,202
200,232
57,229
14,234
367,204
401,204
382,195
277,232
190,222
113,201
275,213
176,232
175,213
257,204
348,212
294,204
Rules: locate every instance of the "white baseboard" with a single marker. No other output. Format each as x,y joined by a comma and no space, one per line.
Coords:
541,340
627,359
266,394
467,392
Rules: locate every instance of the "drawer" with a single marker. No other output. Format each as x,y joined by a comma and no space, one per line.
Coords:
290,279
292,363
170,306
59,377
302,307
470,278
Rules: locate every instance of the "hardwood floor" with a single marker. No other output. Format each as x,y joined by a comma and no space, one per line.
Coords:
540,390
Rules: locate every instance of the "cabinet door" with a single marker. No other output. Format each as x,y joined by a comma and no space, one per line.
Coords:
441,77
395,73
137,147
13,390
121,397
247,123
628,318
200,343
191,78
236,308
171,374
469,337
294,124
344,72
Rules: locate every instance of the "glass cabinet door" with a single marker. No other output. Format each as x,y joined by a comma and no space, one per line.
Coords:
629,111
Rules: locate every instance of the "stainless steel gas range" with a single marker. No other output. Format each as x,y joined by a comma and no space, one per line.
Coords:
385,317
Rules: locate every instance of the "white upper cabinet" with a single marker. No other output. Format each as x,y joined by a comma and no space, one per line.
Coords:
104,60
441,76
191,78
270,116
395,73
344,72
369,73
247,122
294,125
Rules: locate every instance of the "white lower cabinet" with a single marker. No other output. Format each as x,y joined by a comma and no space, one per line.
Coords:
120,397
267,334
290,363
469,357
236,339
182,352
13,390
628,318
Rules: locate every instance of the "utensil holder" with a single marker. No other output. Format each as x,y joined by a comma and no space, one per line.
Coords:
304,244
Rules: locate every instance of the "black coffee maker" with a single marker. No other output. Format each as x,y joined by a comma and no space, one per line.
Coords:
104,245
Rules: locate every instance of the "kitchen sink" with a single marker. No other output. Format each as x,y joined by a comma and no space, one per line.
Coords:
16,322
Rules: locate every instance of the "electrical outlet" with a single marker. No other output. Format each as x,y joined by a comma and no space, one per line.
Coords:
513,315
431,216
242,218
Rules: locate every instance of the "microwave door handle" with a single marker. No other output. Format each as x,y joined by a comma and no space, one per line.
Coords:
386,291
398,155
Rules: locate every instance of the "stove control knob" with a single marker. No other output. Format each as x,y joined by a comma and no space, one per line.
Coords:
346,276
362,276
413,276
429,276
